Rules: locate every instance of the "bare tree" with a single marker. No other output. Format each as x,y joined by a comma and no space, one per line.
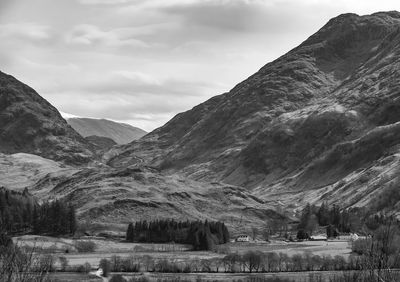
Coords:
24,265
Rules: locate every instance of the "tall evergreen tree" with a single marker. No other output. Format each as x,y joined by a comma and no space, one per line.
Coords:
130,233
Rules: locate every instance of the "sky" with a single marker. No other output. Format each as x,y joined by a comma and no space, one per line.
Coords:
143,61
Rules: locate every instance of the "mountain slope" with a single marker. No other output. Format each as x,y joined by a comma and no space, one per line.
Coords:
303,122
112,198
29,124
121,133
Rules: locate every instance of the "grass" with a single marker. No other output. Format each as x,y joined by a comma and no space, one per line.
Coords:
179,253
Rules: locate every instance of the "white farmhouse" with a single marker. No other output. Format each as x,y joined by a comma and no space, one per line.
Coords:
243,238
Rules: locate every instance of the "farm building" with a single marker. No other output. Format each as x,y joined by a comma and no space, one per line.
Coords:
348,237
243,238
318,238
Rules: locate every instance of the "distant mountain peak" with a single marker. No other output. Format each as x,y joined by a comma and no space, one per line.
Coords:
121,133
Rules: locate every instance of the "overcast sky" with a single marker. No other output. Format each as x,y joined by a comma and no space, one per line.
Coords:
142,62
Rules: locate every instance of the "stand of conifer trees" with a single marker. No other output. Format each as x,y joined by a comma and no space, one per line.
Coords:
19,213
202,235
55,218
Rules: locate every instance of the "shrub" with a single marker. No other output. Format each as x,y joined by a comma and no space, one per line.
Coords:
63,263
361,246
84,268
85,246
105,265
5,240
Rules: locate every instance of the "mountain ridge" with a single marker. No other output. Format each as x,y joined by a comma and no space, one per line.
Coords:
121,133
291,115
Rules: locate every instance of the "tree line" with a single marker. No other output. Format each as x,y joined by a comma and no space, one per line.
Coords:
20,213
333,218
201,235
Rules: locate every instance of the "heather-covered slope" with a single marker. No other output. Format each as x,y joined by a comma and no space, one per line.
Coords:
121,133
316,115
114,197
29,124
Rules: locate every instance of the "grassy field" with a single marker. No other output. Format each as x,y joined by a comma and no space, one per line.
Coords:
293,276
106,248
322,276
321,248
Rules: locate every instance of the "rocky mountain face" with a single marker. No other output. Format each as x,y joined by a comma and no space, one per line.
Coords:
29,124
121,133
320,123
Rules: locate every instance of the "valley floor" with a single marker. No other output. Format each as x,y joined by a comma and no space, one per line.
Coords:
178,253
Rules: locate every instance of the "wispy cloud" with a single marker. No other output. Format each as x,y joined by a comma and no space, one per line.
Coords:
25,31
143,61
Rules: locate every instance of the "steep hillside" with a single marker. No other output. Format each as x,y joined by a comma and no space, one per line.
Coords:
19,171
29,124
121,133
113,197
318,114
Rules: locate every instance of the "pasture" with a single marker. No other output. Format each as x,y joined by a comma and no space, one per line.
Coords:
106,248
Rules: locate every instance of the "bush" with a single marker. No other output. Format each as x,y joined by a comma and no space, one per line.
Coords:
63,263
302,235
105,265
118,278
5,240
85,246
361,246
84,268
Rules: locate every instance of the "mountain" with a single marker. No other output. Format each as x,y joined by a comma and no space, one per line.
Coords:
29,124
39,153
320,123
121,133
111,198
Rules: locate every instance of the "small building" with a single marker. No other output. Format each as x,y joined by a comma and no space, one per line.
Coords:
318,238
243,238
349,237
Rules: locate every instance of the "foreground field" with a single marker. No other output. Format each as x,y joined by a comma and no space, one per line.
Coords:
306,276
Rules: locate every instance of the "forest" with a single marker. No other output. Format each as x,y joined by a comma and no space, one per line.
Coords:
202,235
21,214
337,220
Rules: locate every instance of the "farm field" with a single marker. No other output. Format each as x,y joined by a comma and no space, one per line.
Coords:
106,248
306,276
324,276
333,248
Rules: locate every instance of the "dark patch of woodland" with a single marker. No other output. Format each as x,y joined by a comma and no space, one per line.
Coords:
19,213
334,218
202,235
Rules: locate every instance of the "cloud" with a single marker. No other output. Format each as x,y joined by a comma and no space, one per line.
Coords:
25,31
105,2
143,61
86,34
